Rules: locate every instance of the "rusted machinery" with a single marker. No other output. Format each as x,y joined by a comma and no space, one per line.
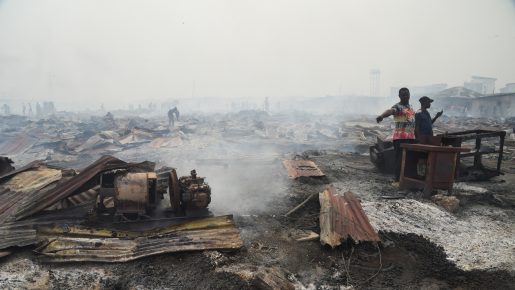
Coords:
135,195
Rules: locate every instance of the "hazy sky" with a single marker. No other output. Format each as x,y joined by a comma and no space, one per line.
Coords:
133,50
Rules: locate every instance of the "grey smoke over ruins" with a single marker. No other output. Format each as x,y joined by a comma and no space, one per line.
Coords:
119,51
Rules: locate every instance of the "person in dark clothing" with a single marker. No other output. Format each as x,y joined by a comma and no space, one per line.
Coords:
404,132
173,112
423,121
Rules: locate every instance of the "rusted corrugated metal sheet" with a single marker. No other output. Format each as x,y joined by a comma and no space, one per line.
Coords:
85,180
17,235
298,168
15,206
23,233
80,244
24,187
16,145
32,165
33,180
342,217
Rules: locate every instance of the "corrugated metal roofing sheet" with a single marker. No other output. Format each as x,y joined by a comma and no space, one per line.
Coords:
78,183
24,187
39,194
99,245
16,145
23,233
33,180
342,217
298,168
33,164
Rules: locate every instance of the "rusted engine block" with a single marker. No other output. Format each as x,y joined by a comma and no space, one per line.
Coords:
124,193
195,192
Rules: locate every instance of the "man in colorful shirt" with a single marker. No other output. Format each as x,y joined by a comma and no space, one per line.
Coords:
404,132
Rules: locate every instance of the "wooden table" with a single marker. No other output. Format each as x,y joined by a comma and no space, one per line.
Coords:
427,166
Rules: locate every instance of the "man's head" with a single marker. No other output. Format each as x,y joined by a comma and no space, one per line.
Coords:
425,102
404,95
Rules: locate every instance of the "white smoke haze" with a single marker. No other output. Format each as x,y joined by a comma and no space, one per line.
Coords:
83,53
215,57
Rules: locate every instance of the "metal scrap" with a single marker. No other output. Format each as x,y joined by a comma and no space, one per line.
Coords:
17,235
342,217
163,142
298,168
23,188
67,244
23,233
85,180
16,145
31,198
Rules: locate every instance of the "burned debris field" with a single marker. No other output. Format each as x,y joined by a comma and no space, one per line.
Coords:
310,145
245,200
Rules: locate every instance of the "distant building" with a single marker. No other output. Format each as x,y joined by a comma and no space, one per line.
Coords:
457,92
375,80
420,91
509,88
455,101
493,106
482,85
266,105
48,108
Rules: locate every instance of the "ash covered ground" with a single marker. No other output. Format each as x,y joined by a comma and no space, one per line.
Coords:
423,245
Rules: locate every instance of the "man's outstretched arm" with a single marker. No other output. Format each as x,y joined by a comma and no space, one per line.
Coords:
385,114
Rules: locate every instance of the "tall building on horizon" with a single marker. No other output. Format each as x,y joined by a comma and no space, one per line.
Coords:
375,78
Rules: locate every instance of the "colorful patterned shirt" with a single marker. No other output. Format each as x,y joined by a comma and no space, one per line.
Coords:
404,118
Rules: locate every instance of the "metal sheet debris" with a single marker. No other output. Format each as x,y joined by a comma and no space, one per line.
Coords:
273,278
31,165
23,188
342,217
17,235
162,142
67,244
32,211
23,233
16,145
33,180
298,168
35,187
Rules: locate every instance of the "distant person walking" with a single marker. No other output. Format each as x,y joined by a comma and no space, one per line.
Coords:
404,132
38,110
171,113
6,109
423,121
